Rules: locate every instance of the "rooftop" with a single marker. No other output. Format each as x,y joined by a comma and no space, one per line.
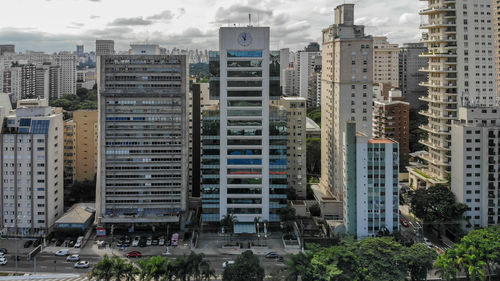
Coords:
79,213
380,141
311,125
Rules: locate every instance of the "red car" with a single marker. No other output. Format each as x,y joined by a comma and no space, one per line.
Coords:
134,254
404,222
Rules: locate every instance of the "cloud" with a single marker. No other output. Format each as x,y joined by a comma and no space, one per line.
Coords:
180,12
165,15
94,17
239,14
130,22
409,18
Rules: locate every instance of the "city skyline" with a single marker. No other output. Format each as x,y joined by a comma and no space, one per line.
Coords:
54,25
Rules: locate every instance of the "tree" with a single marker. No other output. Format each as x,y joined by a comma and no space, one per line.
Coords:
315,114
206,271
335,263
103,270
313,156
475,255
299,265
315,210
156,268
436,204
419,259
246,268
380,258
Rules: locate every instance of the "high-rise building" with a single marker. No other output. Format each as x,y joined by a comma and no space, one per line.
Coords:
385,62
496,32
290,81
391,120
86,133
32,178
54,82
69,152
296,143
475,142
460,72
104,47
142,169
371,192
314,95
346,92
305,65
7,49
244,138
67,63
23,81
79,50
42,81
410,75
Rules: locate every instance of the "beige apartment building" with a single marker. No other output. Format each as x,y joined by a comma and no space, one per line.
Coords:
69,151
385,62
86,144
296,143
346,93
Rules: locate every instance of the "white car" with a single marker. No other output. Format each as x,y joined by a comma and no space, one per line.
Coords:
82,264
73,258
161,241
226,263
63,252
149,241
2,255
3,261
135,243
427,242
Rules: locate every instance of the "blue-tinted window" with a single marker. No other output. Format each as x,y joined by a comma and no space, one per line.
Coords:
40,126
244,54
244,161
24,130
25,122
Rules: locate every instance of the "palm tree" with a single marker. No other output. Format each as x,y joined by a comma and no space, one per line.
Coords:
194,261
206,271
103,270
119,268
228,222
130,271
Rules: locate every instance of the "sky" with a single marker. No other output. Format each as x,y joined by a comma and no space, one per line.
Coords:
55,25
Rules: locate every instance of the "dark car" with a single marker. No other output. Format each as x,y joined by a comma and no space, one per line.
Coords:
134,254
142,242
27,244
127,239
37,243
71,243
272,255
59,242
3,250
154,242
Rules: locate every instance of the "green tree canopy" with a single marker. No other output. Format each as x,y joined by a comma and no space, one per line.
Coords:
419,259
246,268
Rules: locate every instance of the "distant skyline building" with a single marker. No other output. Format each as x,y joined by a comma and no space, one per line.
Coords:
8,48
104,47
305,64
142,169
346,86
410,75
79,50
67,62
385,62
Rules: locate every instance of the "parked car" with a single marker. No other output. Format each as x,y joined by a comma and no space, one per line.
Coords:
427,242
37,243
63,252
142,242
79,242
3,261
154,242
27,244
404,222
59,242
149,241
3,250
135,243
73,258
127,239
2,255
175,239
82,264
226,263
272,255
71,243
134,254
161,241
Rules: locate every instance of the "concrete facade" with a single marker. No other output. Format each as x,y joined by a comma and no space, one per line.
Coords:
69,152
410,75
346,92
385,62
104,47
87,135
475,141
32,196
142,168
